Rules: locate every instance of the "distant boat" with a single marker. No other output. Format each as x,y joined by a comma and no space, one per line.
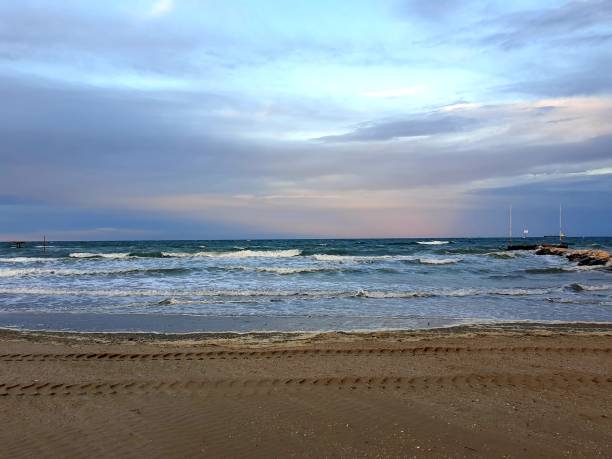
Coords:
562,244
512,246
561,233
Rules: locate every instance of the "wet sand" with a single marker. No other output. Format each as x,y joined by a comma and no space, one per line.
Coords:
489,391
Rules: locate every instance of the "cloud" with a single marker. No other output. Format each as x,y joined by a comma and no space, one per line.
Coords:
395,92
586,79
495,125
572,21
586,200
429,124
202,125
161,7
166,142
430,10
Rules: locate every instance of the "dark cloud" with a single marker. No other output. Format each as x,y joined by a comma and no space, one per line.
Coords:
64,138
79,223
527,27
418,164
586,201
588,78
114,142
428,124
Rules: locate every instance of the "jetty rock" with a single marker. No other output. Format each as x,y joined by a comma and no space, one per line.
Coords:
584,257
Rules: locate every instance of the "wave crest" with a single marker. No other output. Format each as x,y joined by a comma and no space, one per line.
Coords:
23,272
439,261
291,294
98,255
239,254
25,259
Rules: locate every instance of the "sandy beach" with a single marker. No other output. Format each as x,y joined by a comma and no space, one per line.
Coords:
474,391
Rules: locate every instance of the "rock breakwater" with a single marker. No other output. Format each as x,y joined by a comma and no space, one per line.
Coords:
583,257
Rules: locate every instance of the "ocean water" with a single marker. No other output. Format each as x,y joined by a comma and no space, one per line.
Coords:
294,285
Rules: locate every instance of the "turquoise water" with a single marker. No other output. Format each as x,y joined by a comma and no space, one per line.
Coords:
242,285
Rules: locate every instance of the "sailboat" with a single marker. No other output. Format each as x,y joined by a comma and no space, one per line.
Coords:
562,244
512,246
561,233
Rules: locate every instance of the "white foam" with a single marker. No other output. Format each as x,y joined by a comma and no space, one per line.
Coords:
449,293
518,291
439,261
163,293
359,258
74,272
239,254
98,255
282,270
334,258
281,293
433,242
377,294
577,268
25,259
595,288
27,272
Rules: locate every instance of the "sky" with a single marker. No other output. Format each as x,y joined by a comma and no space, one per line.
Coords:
186,119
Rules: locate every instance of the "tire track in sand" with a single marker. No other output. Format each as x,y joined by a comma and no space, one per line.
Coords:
289,353
474,380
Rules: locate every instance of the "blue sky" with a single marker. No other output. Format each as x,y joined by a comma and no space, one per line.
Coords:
229,119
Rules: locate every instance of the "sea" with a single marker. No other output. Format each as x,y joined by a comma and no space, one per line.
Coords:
294,285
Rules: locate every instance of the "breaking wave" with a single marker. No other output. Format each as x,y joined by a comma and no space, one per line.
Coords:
352,258
379,258
296,270
25,259
439,261
361,258
576,287
239,254
98,255
281,293
78,272
433,242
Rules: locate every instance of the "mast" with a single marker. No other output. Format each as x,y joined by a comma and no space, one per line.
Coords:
561,223
510,226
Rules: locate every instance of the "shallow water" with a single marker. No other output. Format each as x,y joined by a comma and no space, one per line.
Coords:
183,286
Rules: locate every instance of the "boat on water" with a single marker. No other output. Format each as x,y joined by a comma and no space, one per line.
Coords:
560,245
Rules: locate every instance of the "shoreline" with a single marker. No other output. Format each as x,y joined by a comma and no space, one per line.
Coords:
511,328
